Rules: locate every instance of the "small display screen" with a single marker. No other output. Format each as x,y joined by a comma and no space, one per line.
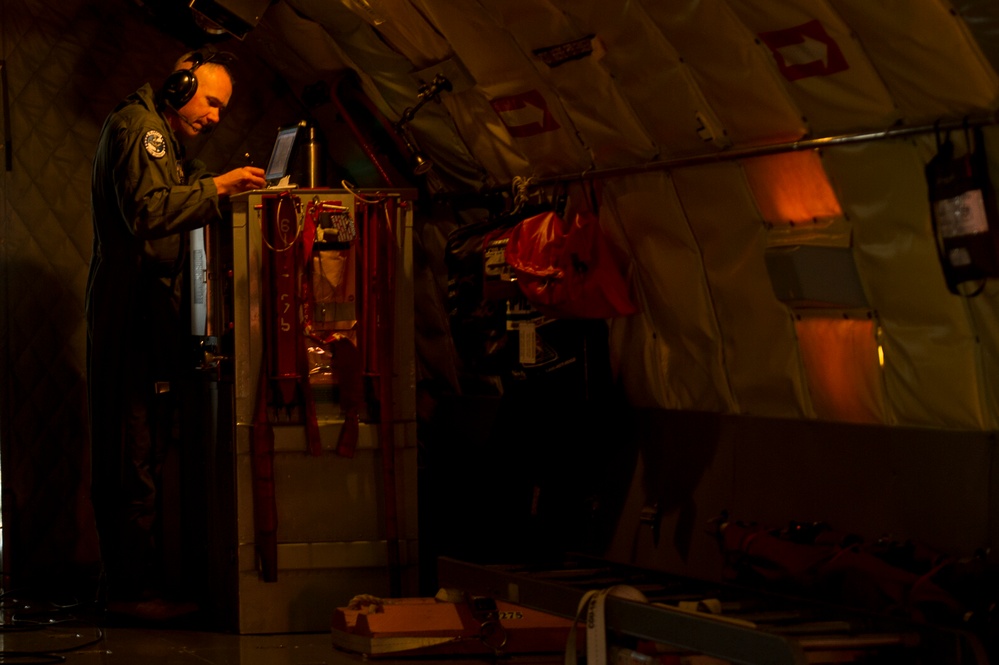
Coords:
277,167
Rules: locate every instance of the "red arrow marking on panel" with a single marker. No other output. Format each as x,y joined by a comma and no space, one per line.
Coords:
525,114
805,50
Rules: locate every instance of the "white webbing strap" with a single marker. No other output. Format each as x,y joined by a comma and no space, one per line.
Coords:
591,605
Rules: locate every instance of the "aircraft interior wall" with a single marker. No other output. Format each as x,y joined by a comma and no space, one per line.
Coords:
797,354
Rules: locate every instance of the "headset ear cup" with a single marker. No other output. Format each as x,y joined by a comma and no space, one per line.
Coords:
179,88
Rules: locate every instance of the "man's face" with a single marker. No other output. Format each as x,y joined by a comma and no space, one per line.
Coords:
210,99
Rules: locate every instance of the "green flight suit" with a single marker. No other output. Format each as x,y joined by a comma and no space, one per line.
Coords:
145,199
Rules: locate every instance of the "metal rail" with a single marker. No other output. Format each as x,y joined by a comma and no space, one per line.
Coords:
752,151
702,634
755,628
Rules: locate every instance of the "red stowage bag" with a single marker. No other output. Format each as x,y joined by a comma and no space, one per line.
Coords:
568,269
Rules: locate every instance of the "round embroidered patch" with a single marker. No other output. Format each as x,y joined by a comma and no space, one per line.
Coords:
155,144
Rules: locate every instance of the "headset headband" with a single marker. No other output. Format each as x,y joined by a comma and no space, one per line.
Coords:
180,86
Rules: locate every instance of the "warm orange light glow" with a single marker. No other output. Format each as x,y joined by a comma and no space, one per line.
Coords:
792,188
842,360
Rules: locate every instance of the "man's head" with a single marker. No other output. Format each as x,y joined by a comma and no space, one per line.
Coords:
196,93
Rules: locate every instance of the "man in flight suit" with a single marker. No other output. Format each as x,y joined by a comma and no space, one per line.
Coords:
145,199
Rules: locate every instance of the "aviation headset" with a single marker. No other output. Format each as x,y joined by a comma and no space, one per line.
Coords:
179,88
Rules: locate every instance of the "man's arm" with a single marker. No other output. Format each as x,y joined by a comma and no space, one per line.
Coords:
153,201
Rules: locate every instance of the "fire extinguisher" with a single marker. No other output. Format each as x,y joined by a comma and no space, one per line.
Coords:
964,213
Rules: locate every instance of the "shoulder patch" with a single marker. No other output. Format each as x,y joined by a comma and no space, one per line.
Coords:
155,144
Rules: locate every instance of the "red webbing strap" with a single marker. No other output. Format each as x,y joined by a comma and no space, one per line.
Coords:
313,440
345,357
284,379
289,358
281,230
347,361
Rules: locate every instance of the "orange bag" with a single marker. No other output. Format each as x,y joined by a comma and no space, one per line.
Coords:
568,269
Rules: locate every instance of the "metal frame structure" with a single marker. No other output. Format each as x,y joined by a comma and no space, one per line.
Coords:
758,629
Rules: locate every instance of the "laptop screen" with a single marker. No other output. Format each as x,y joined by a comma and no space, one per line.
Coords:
280,159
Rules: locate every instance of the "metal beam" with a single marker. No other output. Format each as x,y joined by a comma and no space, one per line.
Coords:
701,633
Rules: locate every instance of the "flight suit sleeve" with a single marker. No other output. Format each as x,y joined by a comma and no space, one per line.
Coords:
153,201
196,169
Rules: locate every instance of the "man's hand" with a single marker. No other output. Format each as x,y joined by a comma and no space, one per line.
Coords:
239,180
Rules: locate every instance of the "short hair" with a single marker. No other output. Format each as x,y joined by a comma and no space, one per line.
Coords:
209,56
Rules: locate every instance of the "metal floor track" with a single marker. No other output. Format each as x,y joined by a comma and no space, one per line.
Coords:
744,626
